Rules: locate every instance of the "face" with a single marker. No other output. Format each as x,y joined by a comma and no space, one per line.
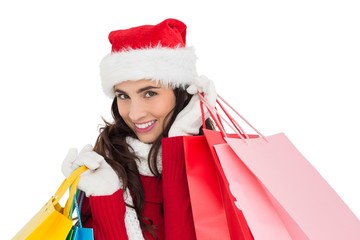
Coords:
145,106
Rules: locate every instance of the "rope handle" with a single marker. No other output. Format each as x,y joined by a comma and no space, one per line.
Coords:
228,119
78,199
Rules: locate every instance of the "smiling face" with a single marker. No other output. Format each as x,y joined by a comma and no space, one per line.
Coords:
145,106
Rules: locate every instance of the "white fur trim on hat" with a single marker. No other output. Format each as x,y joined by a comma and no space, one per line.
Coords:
171,66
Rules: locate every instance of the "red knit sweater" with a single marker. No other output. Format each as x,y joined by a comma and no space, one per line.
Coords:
167,203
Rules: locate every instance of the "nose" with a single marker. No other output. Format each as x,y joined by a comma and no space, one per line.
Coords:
137,110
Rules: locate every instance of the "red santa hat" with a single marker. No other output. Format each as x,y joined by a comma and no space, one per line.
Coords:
156,52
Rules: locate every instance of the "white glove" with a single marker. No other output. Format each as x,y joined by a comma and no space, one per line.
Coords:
204,85
189,120
99,180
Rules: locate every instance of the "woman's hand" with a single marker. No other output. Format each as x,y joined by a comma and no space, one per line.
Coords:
189,120
99,180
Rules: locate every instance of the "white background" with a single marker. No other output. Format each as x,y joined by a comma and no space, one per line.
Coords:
287,66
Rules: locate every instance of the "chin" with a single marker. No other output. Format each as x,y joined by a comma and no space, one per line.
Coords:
146,139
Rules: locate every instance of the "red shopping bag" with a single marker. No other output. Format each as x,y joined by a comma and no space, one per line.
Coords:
280,193
232,209
214,211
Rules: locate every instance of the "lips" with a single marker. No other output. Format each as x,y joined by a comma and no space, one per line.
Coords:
144,127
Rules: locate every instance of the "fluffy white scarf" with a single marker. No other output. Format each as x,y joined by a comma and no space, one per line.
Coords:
131,220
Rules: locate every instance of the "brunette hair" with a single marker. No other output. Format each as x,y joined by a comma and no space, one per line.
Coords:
111,144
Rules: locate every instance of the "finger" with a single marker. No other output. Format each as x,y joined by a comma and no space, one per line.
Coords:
192,89
207,86
201,82
67,164
86,148
193,110
91,160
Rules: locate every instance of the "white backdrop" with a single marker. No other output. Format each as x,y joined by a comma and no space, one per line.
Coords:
287,66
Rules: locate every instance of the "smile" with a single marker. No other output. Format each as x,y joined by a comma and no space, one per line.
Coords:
144,127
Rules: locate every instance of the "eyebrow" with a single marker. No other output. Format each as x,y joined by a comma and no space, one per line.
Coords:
146,88
140,90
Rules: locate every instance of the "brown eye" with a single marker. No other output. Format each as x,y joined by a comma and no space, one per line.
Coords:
150,94
122,96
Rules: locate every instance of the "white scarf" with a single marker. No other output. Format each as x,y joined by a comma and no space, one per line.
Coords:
141,150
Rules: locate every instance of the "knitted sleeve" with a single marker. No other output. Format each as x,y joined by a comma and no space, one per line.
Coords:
178,217
108,216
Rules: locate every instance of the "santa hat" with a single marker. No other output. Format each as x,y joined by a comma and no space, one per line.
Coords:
155,52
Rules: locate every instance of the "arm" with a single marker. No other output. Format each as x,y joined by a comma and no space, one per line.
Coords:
105,215
178,217
105,203
108,214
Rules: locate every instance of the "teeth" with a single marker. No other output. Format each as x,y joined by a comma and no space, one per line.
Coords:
144,125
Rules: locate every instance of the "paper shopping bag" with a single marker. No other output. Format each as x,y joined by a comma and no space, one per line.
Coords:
214,211
200,192
246,191
307,205
261,216
280,193
78,232
53,221
233,211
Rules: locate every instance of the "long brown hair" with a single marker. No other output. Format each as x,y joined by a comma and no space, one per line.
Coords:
112,145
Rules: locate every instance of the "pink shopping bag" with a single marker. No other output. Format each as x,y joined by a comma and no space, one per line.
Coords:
307,205
262,218
280,193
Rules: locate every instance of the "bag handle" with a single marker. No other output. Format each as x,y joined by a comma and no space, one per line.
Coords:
70,182
79,197
69,203
234,125
217,119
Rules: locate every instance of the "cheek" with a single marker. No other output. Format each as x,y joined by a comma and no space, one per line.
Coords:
122,109
166,106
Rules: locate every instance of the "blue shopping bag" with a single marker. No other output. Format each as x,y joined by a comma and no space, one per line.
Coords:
78,232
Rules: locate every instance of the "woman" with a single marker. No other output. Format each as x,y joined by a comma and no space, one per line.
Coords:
151,76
